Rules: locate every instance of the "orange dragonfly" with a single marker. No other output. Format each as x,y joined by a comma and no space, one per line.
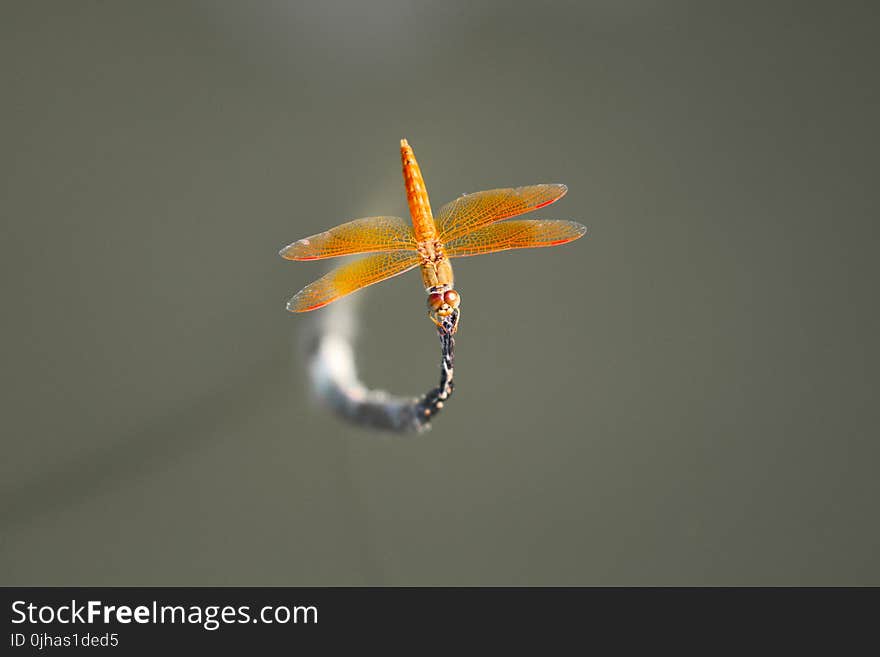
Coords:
464,227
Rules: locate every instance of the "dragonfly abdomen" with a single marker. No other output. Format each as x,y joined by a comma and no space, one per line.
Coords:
417,195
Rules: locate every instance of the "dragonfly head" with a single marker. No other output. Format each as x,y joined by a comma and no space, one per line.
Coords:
443,305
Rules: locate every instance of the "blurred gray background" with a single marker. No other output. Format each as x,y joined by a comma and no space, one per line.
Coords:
688,397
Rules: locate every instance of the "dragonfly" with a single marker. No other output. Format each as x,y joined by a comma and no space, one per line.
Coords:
472,224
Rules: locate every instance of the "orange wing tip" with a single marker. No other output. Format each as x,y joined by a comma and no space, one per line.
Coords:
295,251
562,191
580,231
299,304
404,143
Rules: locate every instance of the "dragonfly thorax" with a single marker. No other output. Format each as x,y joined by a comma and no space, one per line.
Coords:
436,267
431,250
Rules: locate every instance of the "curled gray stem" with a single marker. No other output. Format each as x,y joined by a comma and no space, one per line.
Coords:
330,353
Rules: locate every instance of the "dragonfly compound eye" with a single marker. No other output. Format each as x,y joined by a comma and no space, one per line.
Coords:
435,301
451,297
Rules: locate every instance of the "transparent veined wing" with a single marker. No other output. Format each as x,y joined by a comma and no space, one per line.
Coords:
365,235
517,234
351,277
471,211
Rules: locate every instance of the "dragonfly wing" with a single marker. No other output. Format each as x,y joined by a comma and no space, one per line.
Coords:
471,211
517,234
358,236
351,277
